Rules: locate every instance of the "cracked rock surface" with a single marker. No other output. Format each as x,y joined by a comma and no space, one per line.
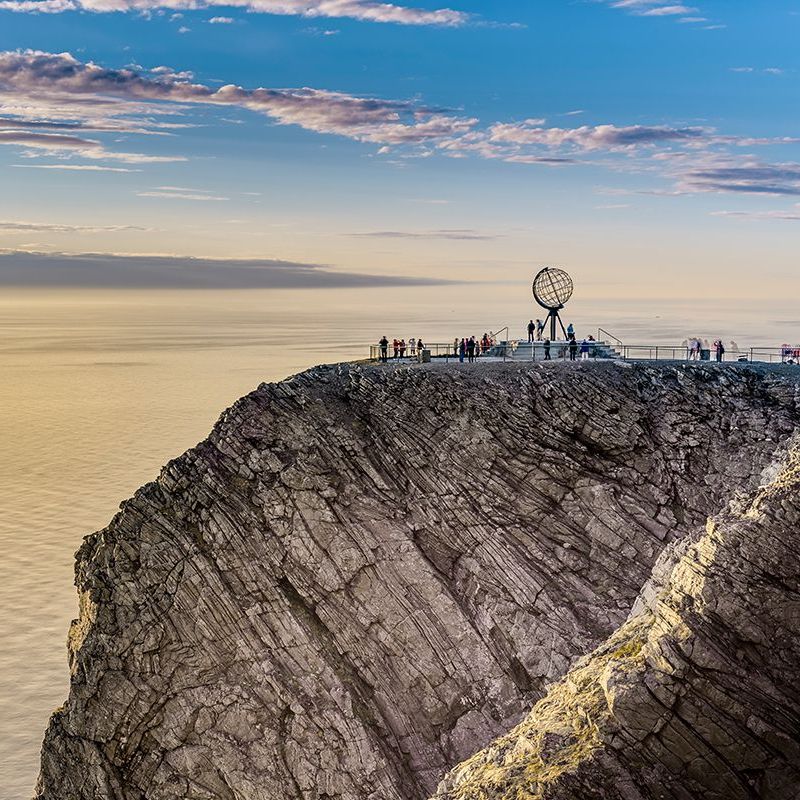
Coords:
366,574
696,696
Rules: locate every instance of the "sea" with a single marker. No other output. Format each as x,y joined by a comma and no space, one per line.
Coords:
99,389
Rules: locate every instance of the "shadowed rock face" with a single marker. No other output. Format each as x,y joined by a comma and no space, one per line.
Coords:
697,696
365,575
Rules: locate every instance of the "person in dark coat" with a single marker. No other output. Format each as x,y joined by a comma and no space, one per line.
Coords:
384,344
471,349
531,330
573,349
547,349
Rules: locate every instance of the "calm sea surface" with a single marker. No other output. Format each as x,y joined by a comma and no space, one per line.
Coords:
98,390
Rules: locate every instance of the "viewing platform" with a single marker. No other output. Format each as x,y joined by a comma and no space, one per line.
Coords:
600,349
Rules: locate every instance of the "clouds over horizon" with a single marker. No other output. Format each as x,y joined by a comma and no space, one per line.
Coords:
364,10
21,268
58,84
55,106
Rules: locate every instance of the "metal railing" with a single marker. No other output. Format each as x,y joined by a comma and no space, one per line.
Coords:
601,331
769,355
438,350
560,351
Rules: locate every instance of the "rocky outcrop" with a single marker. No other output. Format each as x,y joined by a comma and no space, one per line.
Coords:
697,696
364,575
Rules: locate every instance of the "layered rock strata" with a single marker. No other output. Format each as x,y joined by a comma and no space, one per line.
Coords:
364,575
696,696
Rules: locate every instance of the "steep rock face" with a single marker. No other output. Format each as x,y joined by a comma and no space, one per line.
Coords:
366,574
697,696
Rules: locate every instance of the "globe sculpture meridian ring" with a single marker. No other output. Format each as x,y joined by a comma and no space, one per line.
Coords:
552,288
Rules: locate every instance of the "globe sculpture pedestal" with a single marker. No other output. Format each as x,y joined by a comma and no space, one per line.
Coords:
551,289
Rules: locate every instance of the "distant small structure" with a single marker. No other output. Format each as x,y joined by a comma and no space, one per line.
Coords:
552,288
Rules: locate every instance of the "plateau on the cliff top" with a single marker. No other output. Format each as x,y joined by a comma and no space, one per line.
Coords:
552,288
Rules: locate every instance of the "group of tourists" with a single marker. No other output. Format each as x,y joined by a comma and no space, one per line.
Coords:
472,348
536,331
699,350
400,347
536,334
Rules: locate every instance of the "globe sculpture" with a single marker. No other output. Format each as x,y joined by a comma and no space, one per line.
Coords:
552,288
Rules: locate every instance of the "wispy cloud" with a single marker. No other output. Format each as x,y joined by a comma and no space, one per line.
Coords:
57,143
452,234
38,90
181,193
50,227
653,8
111,270
786,216
759,70
75,167
748,178
51,79
680,12
587,138
365,10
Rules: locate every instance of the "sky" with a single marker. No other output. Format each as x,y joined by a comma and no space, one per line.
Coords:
650,147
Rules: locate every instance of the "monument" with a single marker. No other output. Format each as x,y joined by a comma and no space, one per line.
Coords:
552,288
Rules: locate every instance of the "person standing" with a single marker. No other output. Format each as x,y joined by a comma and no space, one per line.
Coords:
720,349
412,347
402,348
547,349
584,350
531,330
455,346
395,348
573,348
570,331
420,345
471,349
539,330
462,350
384,344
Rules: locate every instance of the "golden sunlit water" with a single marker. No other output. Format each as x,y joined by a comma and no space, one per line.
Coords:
99,390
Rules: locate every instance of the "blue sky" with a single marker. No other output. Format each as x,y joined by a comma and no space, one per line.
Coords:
480,139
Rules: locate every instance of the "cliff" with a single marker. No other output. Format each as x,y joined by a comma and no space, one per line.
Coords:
696,696
365,575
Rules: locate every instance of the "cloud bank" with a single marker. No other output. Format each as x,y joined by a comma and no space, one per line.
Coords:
365,10
58,108
50,83
111,271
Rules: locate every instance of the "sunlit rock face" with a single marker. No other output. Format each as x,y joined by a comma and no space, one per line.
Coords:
367,574
696,696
